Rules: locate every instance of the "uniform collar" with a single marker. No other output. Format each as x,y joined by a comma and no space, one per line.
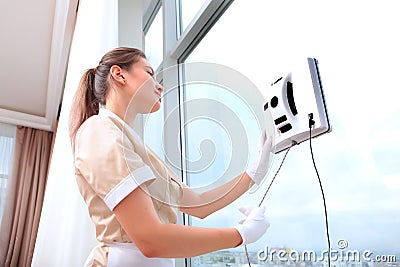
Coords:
104,112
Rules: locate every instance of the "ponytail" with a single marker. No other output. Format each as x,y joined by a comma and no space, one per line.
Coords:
95,83
85,103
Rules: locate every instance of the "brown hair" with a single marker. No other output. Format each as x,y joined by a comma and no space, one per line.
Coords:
95,83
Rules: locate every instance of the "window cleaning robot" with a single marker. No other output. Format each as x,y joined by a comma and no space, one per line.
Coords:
293,98
298,110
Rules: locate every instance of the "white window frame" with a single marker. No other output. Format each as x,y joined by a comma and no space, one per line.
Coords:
176,50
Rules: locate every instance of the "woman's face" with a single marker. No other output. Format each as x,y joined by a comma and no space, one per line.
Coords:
142,87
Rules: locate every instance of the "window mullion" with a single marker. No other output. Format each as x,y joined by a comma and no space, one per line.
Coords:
198,28
172,141
170,82
150,14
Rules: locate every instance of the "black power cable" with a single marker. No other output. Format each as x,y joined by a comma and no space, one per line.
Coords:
266,192
276,173
311,122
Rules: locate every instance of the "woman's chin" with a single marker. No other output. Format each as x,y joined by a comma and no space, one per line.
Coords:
155,107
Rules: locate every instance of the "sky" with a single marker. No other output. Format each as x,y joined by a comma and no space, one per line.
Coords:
356,45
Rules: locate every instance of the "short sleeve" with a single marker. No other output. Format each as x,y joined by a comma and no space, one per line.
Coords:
108,162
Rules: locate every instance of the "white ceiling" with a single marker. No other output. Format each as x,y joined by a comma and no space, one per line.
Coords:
35,42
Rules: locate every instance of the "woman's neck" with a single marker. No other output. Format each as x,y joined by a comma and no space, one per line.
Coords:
122,112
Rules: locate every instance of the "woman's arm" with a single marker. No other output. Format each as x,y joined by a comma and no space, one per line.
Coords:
202,205
138,218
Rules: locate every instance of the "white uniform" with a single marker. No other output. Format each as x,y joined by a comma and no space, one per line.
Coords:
110,162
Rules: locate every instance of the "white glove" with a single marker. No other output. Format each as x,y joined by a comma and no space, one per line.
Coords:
258,170
253,226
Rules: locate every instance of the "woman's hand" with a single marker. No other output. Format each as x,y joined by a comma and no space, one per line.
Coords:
258,170
253,226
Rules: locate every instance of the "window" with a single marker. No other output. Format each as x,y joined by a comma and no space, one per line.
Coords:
152,123
7,141
221,123
154,41
189,9
357,161
153,131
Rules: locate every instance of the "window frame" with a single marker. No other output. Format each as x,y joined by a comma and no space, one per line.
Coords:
177,46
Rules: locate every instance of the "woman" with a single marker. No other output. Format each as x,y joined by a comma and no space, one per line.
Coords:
132,196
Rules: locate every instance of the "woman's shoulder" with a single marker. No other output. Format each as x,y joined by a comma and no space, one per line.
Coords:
96,130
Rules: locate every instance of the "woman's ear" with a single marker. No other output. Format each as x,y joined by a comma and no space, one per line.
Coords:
117,75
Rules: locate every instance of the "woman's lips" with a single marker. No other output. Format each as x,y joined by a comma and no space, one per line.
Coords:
159,96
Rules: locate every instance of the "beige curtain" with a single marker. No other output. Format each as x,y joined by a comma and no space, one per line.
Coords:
24,196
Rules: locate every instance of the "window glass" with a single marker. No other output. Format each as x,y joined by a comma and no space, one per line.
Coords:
189,9
154,41
153,130
152,123
7,142
358,161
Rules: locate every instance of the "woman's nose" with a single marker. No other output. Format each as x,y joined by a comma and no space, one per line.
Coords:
159,88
